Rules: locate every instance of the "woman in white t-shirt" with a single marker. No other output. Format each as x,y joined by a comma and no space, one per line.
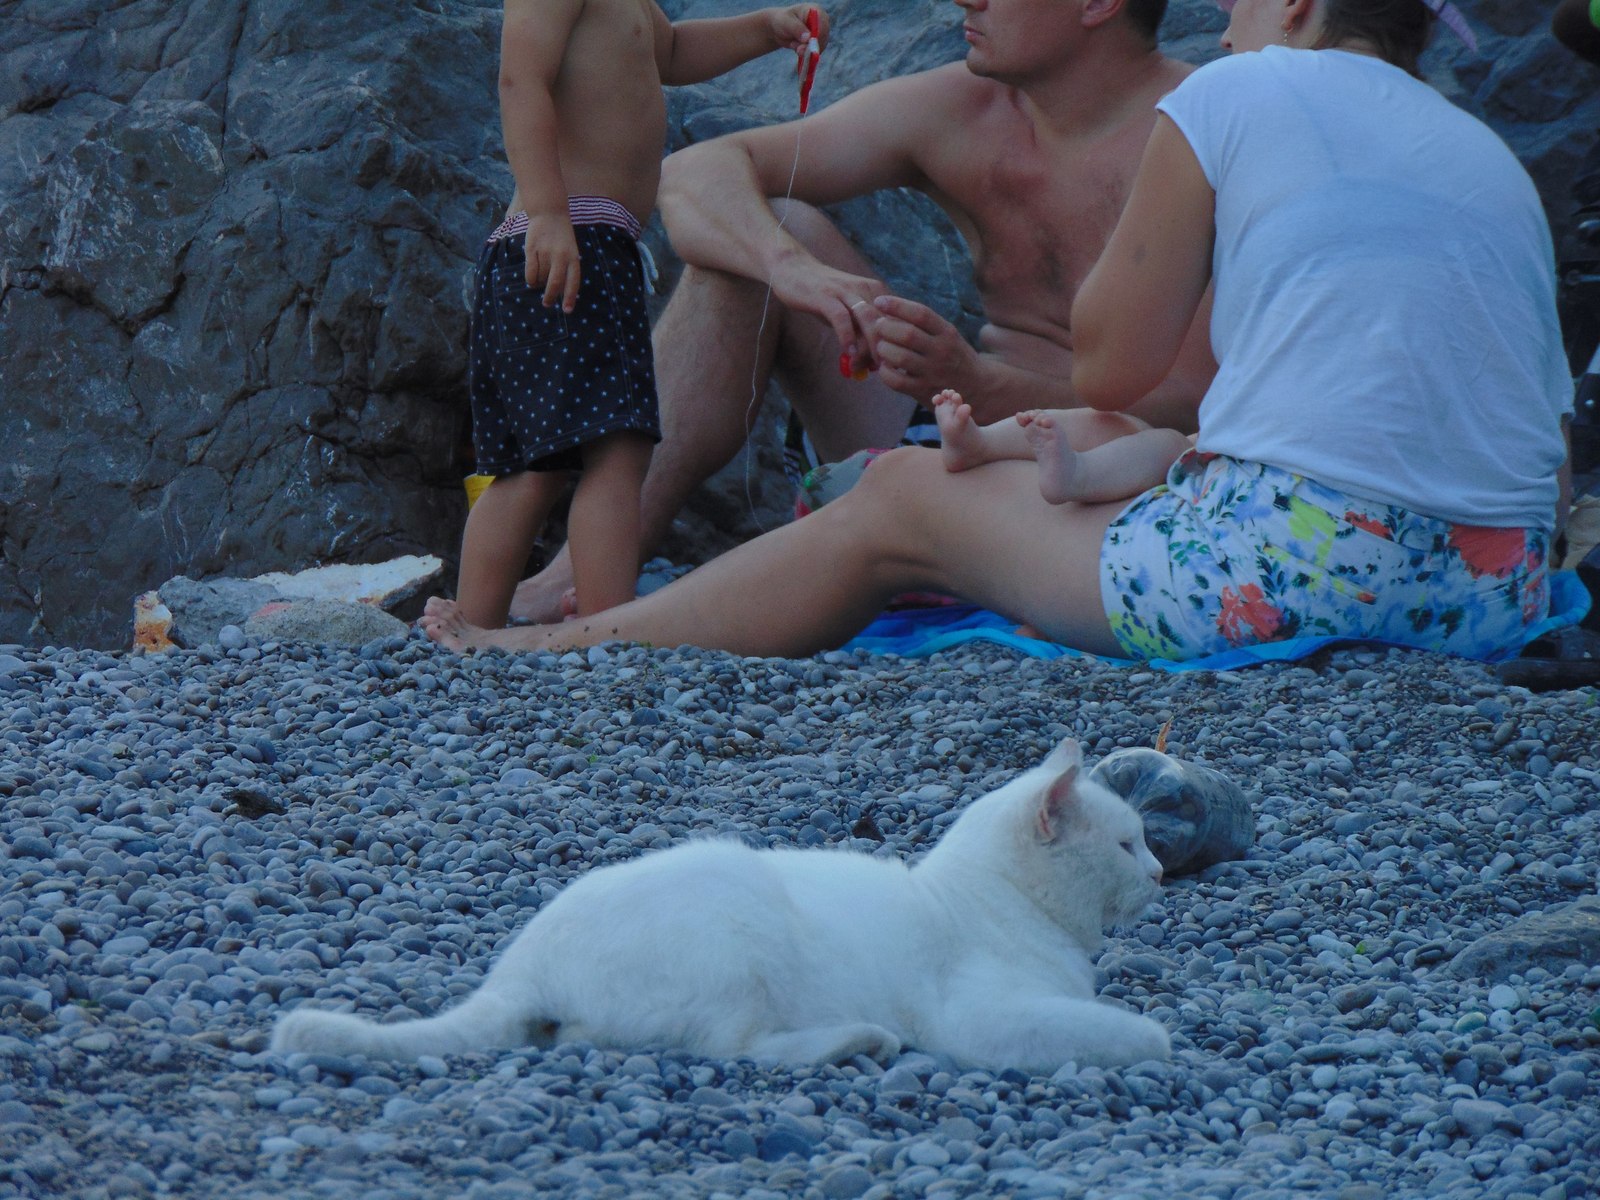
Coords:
1377,458
1380,448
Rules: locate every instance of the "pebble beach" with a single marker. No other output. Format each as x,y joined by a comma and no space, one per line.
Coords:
1396,994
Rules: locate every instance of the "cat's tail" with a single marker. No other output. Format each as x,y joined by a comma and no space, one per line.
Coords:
484,1021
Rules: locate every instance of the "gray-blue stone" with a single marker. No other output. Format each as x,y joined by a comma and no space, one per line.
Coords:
846,1183
781,1143
1478,1118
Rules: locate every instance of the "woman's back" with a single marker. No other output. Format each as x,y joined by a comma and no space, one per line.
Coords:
1385,312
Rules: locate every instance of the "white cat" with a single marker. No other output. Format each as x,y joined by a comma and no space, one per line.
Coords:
980,951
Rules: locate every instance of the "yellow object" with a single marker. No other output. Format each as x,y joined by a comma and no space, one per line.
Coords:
475,485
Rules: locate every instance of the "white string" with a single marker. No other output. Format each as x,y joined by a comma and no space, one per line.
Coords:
755,367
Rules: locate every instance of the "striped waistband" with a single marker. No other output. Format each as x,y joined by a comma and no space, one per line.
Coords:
584,210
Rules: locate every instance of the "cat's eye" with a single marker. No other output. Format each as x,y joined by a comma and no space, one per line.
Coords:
1128,845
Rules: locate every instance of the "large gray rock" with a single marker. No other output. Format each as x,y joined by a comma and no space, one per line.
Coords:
1553,939
330,622
236,239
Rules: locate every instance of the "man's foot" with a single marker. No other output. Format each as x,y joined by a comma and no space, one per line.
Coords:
961,438
1058,461
544,598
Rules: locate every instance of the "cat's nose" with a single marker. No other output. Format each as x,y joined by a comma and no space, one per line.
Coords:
1156,875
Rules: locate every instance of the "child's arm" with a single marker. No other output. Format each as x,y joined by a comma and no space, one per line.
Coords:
533,41
694,51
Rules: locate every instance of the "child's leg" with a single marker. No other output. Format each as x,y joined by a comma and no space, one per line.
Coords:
603,528
1115,470
500,532
965,444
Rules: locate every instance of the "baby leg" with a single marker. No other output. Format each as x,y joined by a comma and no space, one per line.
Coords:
1116,470
603,526
964,443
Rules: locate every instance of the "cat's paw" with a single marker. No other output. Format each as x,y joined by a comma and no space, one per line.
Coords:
878,1044
1150,1042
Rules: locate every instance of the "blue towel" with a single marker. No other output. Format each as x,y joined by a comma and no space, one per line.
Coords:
918,632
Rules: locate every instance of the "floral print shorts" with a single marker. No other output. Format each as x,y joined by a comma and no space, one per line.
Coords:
1231,553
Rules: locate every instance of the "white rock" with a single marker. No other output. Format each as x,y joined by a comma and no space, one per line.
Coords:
384,584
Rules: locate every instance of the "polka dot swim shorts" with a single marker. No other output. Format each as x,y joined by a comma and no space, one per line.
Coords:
1230,553
543,382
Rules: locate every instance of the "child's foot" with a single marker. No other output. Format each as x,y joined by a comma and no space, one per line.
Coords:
442,621
1058,461
961,439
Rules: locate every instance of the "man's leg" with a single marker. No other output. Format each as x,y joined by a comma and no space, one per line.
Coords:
714,356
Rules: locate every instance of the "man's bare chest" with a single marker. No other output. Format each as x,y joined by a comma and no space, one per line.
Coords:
1039,226
1037,220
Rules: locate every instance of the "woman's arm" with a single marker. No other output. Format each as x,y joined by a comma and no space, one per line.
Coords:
1132,312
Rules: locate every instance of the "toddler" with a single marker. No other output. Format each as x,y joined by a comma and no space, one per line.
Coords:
562,377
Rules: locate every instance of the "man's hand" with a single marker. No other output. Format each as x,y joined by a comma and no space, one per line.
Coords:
789,30
552,251
841,299
918,353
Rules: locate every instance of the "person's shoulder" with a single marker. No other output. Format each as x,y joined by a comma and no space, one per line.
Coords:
1232,75
938,95
952,82
1248,65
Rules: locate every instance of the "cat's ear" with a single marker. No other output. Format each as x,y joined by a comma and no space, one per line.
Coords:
1057,804
1065,757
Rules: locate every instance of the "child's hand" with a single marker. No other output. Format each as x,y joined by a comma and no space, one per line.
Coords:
789,30
552,251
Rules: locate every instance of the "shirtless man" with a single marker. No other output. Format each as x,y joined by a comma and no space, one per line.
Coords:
1030,146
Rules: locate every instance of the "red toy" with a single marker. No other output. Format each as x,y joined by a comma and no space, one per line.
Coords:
849,370
809,57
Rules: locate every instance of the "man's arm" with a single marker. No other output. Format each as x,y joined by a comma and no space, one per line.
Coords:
533,41
714,196
1575,30
1130,317
694,51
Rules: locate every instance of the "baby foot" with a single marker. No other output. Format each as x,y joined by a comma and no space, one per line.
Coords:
442,621
960,438
1058,462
